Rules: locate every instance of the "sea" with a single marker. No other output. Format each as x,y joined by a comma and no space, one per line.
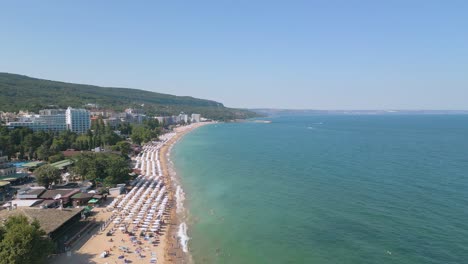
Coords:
327,189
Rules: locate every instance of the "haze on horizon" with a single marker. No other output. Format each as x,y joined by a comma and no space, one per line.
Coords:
253,54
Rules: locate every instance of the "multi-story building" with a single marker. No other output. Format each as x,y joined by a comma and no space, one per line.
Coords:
134,111
182,118
49,112
23,113
8,117
6,168
5,190
112,122
135,116
196,118
54,122
160,119
78,120
102,112
166,120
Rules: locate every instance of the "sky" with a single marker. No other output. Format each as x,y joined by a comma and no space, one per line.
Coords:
250,53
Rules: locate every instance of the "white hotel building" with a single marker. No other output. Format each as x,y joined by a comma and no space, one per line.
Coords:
196,118
55,123
78,120
56,120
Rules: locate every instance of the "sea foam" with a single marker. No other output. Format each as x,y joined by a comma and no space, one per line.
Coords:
180,197
184,238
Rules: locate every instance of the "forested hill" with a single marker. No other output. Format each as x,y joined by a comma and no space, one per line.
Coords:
19,92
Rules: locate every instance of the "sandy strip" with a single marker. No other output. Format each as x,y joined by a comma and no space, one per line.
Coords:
89,247
173,252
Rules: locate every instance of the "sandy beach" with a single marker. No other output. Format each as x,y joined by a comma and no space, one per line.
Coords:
172,249
167,249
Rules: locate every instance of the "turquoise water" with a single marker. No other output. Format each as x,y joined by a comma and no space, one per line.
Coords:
328,189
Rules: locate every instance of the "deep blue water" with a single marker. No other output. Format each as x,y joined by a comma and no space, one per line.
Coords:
328,189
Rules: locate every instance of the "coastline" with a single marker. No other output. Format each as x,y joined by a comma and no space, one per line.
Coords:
168,250
171,246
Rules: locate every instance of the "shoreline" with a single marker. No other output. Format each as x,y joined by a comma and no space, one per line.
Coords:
173,251
169,249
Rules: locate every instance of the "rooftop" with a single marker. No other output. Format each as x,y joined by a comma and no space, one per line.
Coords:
82,195
49,219
70,185
13,177
93,200
46,203
31,191
62,164
50,194
23,203
4,183
33,164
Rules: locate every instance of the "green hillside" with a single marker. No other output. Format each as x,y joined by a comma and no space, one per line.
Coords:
19,92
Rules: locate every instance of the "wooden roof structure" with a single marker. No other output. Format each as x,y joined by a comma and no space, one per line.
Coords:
49,219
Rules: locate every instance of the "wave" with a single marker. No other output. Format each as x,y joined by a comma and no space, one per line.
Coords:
182,232
183,237
180,197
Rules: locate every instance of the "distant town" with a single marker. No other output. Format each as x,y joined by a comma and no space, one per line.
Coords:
78,120
75,120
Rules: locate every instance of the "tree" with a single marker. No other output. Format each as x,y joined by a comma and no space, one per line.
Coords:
117,170
21,153
47,174
110,167
123,146
56,157
110,138
67,138
151,123
125,128
137,134
82,142
85,166
58,144
43,152
23,242
142,134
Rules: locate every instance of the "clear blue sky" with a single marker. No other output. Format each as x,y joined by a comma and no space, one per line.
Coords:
246,53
